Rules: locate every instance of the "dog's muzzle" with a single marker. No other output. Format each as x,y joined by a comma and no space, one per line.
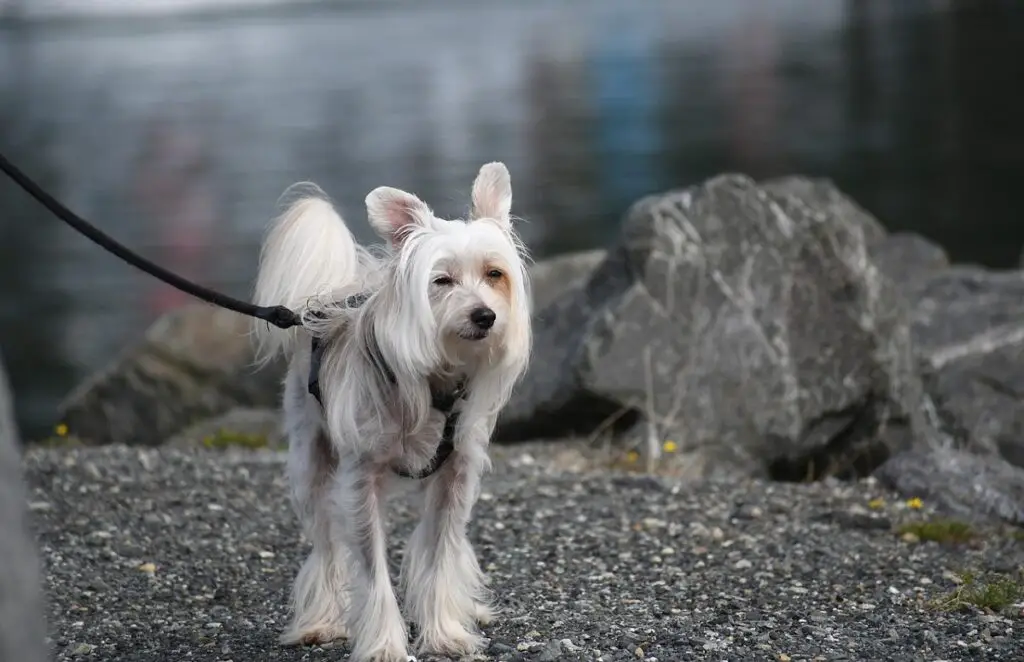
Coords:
482,319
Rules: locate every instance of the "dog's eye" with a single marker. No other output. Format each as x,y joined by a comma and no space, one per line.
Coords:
494,274
443,281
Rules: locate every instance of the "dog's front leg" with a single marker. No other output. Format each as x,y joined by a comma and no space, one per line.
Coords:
376,627
441,578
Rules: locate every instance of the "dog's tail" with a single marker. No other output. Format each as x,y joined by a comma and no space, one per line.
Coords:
308,253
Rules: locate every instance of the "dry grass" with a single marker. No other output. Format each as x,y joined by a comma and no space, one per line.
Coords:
993,593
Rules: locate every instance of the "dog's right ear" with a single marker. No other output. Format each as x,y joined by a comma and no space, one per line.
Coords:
492,193
393,213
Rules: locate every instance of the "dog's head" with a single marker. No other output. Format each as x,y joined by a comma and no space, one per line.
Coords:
458,288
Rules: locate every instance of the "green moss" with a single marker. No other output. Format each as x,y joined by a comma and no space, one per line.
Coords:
939,530
229,439
993,593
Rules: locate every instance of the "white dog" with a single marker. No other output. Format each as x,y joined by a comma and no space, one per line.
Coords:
401,366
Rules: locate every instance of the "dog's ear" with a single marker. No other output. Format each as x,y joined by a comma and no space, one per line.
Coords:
393,213
492,193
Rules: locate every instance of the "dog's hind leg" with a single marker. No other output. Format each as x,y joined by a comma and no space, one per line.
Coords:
376,627
319,595
443,585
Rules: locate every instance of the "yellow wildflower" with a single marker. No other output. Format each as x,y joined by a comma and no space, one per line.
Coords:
61,430
875,504
914,503
670,446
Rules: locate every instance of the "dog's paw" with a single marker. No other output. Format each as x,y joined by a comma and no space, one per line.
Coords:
483,613
312,636
393,653
454,641
387,647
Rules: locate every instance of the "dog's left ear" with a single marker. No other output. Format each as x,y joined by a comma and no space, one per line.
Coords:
393,213
492,193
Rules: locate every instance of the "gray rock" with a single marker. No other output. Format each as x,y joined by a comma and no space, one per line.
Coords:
192,364
957,304
243,426
959,482
968,329
909,260
552,278
22,625
552,652
747,323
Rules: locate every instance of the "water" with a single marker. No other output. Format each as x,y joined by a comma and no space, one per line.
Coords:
177,134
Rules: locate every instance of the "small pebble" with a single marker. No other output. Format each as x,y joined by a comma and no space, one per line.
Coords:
83,649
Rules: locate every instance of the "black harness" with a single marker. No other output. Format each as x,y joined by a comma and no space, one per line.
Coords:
443,401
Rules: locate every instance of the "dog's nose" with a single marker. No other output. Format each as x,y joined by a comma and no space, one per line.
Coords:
483,318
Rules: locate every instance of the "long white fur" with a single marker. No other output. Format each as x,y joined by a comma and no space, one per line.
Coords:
341,457
307,254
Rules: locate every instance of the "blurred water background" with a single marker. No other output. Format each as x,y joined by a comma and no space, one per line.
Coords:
176,124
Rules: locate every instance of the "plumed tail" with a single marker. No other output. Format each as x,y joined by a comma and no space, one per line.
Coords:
308,254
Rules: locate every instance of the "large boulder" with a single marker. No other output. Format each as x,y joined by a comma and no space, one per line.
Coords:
909,260
748,323
968,329
22,624
552,278
192,364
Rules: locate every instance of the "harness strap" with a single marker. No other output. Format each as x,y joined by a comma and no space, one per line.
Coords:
442,401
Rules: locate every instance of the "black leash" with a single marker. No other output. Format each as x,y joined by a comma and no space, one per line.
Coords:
279,316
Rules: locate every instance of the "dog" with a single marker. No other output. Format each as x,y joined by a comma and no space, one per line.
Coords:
440,311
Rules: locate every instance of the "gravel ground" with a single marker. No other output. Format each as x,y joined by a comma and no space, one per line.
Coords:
175,554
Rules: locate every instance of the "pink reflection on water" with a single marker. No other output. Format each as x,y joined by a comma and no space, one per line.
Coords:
174,187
